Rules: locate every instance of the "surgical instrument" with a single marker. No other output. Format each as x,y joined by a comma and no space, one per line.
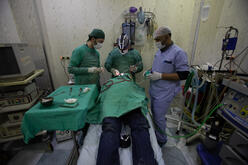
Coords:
80,90
70,91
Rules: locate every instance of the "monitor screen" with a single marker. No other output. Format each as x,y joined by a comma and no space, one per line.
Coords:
8,63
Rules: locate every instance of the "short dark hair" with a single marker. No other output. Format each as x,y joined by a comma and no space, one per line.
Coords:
90,37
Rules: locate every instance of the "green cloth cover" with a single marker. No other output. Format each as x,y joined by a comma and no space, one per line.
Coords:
118,96
55,117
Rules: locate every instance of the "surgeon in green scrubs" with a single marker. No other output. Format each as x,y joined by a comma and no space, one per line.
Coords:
124,59
85,60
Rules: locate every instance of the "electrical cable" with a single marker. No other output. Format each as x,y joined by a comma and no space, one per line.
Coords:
216,63
241,61
241,52
239,67
235,57
210,99
193,133
63,66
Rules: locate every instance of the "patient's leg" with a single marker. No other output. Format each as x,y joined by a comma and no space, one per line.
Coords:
109,143
142,149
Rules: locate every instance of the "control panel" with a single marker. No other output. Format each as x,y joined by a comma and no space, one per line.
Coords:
15,117
235,109
18,98
237,103
10,129
15,101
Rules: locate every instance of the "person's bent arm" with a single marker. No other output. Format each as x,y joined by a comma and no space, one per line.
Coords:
74,65
109,62
139,63
180,75
181,65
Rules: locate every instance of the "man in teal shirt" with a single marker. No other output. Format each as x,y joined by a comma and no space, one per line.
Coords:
124,59
85,60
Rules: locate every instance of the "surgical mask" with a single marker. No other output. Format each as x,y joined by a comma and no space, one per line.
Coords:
98,45
159,45
124,52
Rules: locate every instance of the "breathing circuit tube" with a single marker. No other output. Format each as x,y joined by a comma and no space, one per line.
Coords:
196,86
193,133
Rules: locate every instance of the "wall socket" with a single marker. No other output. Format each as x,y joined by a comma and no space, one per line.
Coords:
64,58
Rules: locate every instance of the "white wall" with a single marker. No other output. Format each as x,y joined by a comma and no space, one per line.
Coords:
19,24
8,33
222,13
238,17
68,24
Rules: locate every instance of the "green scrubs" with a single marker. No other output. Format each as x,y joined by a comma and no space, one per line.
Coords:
123,62
83,58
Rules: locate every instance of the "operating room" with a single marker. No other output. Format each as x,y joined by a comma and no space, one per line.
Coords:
131,82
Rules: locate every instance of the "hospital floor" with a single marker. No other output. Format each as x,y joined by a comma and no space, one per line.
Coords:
174,153
37,154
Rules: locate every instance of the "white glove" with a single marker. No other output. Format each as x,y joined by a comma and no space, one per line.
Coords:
115,72
133,68
155,76
93,70
101,69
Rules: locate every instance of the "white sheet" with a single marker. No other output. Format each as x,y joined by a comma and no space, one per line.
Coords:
88,152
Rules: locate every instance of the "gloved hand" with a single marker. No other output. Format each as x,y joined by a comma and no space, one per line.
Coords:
155,76
147,73
101,69
93,70
133,68
115,72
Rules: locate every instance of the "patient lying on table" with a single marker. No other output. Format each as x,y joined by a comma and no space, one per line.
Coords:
122,101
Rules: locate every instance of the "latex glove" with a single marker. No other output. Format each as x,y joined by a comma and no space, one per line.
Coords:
93,70
115,72
155,76
101,69
147,73
133,68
